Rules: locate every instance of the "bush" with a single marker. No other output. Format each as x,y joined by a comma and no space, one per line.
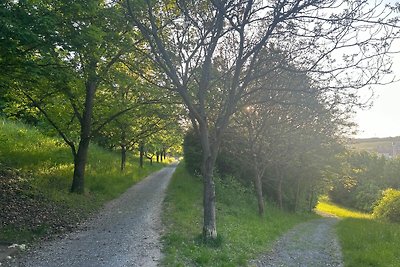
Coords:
388,207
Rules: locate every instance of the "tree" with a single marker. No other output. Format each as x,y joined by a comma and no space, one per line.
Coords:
152,115
188,40
72,47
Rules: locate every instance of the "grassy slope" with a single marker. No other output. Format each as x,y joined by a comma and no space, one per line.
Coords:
242,233
364,241
41,169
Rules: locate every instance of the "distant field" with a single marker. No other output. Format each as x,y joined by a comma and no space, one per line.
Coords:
373,144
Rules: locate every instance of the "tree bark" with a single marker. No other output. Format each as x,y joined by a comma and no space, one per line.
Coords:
279,188
78,180
259,193
297,200
141,154
209,201
123,157
209,225
158,156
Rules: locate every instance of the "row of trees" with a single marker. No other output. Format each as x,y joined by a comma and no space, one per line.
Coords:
215,56
280,141
68,65
358,179
211,53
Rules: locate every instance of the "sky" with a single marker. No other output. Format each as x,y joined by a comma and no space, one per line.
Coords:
383,118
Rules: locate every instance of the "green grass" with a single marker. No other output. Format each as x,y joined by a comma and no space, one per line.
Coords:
327,207
242,234
369,243
364,241
46,165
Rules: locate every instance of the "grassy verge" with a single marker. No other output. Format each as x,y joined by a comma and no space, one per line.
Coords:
36,174
242,233
369,242
365,241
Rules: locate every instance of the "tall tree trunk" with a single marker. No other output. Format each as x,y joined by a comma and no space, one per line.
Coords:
209,201
279,189
311,202
141,154
209,224
78,181
297,200
259,193
123,157
158,156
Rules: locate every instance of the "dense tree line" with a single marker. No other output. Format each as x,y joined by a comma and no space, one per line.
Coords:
66,65
359,178
122,72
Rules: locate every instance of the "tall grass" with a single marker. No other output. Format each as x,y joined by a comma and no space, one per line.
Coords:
242,234
369,243
364,241
46,164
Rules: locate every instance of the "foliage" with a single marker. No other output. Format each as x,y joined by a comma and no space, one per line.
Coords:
388,207
243,234
213,57
360,177
38,172
369,242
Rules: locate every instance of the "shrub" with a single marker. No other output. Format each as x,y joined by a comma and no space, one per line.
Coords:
388,207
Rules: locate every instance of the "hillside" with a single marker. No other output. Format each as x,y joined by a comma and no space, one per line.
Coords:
35,177
388,146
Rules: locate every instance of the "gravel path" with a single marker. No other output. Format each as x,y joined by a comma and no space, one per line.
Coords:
125,233
312,243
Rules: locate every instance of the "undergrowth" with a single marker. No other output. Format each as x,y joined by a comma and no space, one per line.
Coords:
242,234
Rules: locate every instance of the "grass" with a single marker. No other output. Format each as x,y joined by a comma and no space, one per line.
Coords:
365,241
325,206
242,234
45,165
369,242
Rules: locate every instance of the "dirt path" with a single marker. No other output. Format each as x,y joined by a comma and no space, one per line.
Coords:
312,243
125,233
